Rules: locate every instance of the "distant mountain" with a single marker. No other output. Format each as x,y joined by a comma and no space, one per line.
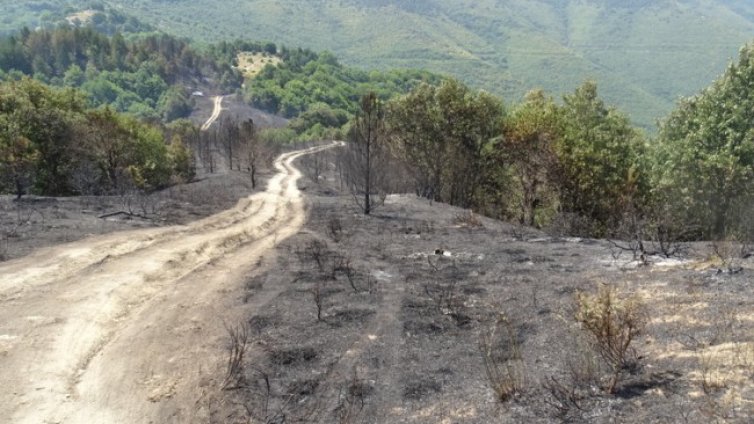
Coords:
643,53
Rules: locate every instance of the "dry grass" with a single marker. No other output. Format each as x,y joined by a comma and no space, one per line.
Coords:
503,361
239,342
250,64
614,322
713,341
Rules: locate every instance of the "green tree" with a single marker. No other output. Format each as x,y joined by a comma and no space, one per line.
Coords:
17,158
601,157
105,144
366,152
174,104
47,118
74,76
443,132
530,135
704,164
149,166
414,122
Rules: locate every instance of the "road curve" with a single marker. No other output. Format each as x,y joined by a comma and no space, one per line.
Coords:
218,108
128,327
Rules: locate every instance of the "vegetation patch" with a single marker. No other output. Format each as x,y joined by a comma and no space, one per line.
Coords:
251,64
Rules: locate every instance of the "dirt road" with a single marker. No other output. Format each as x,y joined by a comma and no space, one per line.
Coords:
218,108
126,328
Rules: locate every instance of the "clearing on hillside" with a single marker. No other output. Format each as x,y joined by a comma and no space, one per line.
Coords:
82,17
250,64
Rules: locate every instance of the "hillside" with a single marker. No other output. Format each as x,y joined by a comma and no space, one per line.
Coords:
340,244
383,330
643,54
150,75
51,14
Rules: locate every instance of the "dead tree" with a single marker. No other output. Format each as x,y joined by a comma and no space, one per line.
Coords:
314,166
229,137
365,156
251,144
208,142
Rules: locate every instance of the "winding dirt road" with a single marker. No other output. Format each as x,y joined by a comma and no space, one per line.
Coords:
128,327
217,109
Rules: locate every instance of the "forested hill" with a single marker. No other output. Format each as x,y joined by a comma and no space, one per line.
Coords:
149,75
643,54
321,93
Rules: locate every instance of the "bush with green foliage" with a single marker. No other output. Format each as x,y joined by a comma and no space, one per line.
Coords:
614,322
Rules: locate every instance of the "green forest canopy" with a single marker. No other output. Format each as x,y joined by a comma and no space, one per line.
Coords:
147,75
320,92
582,166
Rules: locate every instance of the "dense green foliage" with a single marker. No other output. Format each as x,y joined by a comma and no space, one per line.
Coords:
52,144
705,162
442,132
525,161
321,93
580,159
581,166
600,155
644,54
144,75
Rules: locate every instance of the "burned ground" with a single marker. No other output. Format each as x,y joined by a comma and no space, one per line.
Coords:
406,295
35,222
397,317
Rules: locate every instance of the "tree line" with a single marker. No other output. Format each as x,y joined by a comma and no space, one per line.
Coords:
578,166
52,143
230,144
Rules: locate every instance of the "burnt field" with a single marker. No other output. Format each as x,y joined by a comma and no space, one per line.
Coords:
427,313
34,222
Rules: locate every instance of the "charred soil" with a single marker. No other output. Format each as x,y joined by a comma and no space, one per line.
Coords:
419,312
398,317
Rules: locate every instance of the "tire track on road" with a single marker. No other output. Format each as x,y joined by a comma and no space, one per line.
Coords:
114,341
